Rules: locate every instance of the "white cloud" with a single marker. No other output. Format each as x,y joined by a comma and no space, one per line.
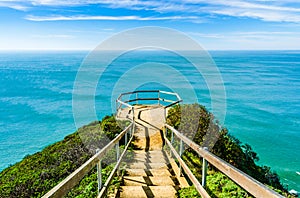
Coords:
14,5
249,40
263,10
253,36
260,14
62,36
266,10
109,18
245,5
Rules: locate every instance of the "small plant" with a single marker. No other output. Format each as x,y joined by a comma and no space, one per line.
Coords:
189,192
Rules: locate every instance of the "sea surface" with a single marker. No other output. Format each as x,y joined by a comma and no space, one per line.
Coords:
262,97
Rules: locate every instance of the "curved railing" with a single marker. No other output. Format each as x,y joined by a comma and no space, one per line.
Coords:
158,98
135,97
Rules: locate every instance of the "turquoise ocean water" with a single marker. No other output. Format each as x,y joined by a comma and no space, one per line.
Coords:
262,91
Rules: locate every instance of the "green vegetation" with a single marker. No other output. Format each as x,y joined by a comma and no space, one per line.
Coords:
38,173
195,118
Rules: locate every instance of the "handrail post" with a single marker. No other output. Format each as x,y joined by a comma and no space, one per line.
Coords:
131,130
165,130
117,150
126,138
181,147
180,153
99,173
132,109
172,138
118,153
133,120
204,169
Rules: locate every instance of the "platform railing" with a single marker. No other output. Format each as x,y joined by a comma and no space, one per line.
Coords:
135,98
74,178
251,185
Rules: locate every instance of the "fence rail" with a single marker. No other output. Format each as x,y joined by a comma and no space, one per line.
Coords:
68,183
248,183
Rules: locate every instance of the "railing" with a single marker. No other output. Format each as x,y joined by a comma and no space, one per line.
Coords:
248,183
74,178
120,102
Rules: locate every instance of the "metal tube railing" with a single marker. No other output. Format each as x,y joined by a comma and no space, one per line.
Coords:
114,171
186,169
137,98
68,183
248,183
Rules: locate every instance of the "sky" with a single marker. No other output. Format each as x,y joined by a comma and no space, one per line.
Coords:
215,24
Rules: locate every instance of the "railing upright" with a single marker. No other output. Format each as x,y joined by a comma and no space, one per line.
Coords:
99,175
204,169
180,154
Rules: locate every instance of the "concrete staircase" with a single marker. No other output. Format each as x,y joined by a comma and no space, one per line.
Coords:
150,172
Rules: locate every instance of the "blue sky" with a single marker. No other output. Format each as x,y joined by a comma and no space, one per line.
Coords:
83,24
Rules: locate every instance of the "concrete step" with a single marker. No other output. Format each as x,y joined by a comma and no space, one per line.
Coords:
155,154
148,172
150,159
141,165
149,181
147,191
150,152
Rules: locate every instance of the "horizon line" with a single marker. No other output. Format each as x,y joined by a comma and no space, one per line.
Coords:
66,50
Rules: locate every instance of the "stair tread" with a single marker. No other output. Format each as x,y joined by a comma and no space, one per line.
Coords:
142,165
148,181
148,172
151,152
147,191
149,160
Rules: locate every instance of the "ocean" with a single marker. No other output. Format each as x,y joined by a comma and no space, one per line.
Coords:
262,96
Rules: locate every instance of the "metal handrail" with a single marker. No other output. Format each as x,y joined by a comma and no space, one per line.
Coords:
119,99
248,183
120,102
186,169
114,171
68,183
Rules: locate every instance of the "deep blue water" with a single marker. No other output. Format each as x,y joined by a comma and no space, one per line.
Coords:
262,92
